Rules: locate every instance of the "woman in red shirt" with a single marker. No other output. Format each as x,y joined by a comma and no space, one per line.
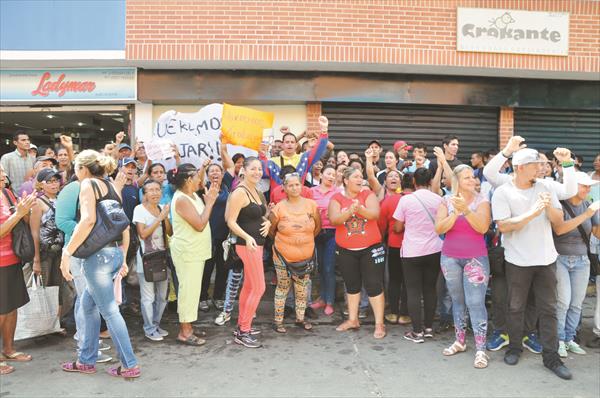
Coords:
360,255
13,293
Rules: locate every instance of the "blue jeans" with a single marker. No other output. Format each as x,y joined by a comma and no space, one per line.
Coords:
99,270
572,274
153,300
80,285
325,245
467,280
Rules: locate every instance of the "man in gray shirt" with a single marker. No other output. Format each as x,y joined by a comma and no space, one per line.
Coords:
18,164
525,210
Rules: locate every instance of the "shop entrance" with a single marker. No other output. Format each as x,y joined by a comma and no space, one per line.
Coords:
90,127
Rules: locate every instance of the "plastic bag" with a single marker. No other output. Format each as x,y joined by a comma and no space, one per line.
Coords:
40,316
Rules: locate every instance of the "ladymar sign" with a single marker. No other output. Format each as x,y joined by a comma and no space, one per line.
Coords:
512,31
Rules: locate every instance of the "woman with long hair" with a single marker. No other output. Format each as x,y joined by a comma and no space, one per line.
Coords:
465,218
246,216
99,269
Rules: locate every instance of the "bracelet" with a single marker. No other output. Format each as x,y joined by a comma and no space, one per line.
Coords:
569,163
507,157
66,252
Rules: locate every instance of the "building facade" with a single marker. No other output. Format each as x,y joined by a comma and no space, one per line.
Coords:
387,69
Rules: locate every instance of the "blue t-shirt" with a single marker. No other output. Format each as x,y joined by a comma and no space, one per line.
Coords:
130,199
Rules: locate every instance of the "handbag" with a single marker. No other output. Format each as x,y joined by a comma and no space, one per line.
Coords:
52,239
442,236
156,263
40,315
22,240
594,261
231,259
111,221
299,268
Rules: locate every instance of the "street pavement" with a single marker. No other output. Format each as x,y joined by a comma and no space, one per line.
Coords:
319,363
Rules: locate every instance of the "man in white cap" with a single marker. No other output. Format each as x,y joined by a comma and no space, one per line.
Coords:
525,209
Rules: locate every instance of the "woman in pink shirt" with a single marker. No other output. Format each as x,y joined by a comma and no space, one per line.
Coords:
325,241
465,218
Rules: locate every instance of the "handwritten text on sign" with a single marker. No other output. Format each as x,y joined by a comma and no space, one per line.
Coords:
244,126
197,135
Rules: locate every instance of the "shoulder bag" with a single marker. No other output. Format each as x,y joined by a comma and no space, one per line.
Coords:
22,240
156,263
111,221
299,268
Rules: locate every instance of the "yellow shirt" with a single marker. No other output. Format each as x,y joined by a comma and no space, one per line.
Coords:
287,161
187,243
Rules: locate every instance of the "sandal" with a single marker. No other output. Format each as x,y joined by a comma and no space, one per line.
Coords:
192,340
16,356
131,373
455,348
481,360
391,318
304,325
379,331
348,325
6,369
279,328
78,368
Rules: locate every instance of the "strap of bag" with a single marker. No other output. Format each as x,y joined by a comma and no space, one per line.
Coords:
164,231
47,202
569,210
8,195
426,209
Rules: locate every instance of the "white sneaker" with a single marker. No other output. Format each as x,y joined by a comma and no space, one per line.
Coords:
162,332
222,318
154,337
575,348
102,358
102,346
562,349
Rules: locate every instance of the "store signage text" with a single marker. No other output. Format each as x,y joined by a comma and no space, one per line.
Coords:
512,31
68,85
45,86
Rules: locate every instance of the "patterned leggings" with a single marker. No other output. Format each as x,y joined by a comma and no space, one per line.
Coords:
234,281
283,286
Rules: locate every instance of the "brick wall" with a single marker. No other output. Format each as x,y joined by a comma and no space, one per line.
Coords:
418,32
506,128
313,111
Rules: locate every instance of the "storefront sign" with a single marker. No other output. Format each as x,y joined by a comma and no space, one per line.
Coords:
72,85
244,126
512,31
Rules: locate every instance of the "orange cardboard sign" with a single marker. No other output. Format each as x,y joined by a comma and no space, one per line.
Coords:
244,126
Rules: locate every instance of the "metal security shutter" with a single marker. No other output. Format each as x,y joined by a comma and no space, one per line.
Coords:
352,126
545,129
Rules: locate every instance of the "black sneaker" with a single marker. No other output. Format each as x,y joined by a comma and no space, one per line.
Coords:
559,369
414,337
246,340
252,332
512,357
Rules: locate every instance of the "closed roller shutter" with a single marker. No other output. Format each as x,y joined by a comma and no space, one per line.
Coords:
352,126
545,129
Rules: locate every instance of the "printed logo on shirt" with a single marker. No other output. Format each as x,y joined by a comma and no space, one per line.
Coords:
355,225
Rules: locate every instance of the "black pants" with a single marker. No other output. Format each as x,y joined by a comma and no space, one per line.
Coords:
420,275
500,306
396,286
541,280
220,278
362,267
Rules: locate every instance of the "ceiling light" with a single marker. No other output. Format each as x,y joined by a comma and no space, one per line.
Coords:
80,124
110,114
50,116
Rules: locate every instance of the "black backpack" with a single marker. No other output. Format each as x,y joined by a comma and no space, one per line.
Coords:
52,239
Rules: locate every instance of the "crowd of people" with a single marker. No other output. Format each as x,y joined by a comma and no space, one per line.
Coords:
419,235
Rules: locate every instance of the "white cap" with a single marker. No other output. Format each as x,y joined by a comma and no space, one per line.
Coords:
525,156
32,146
585,179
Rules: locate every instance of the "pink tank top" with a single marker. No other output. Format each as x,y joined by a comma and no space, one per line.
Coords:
462,241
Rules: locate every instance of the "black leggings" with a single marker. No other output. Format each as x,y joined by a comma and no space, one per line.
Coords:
365,266
396,287
220,278
420,275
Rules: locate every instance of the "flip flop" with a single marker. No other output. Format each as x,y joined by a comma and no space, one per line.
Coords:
118,371
304,325
6,369
78,368
16,356
347,325
192,340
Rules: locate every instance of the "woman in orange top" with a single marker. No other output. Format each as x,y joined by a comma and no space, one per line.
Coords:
360,255
295,222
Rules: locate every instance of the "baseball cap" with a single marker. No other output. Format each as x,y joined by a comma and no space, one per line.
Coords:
45,158
127,161
33,146
47,175
124,146
525,156
402,144
585,179
375,142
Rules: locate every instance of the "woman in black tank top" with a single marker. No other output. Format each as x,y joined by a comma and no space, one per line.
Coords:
246,218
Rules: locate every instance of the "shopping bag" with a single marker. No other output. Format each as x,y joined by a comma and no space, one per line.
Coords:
40,316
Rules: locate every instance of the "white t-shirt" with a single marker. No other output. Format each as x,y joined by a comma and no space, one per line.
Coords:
533,244
155,241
